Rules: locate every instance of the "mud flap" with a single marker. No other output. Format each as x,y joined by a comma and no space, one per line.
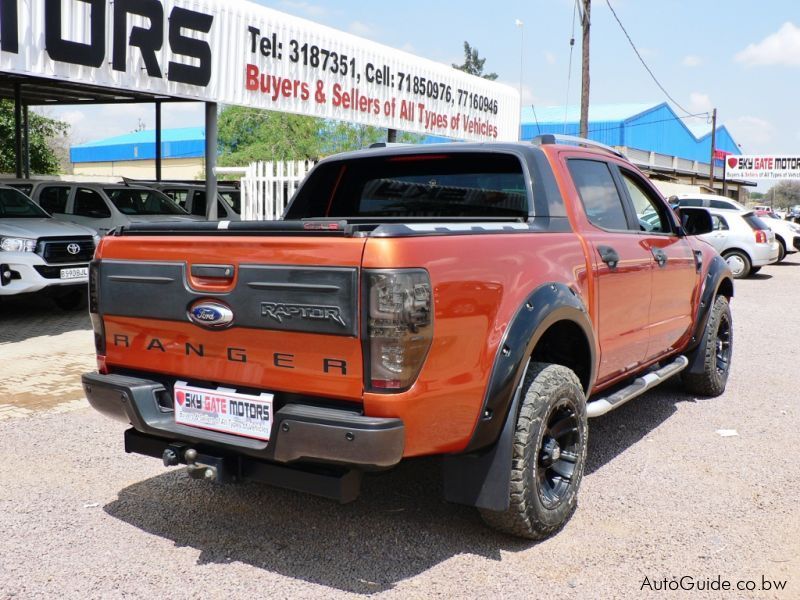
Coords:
483,479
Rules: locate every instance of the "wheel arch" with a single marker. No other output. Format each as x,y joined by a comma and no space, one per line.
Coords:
552,318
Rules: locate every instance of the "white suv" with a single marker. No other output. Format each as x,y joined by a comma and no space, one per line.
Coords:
744,241
41,254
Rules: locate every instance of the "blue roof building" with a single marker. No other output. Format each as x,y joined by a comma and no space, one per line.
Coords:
187,142
650,127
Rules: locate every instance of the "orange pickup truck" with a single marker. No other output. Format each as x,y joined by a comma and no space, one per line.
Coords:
478,302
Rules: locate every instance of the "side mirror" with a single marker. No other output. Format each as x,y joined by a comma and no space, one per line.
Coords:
695,221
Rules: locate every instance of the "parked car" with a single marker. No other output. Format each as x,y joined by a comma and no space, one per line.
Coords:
786,232
39,254
104,206
192,198
23,185
763,208
707,201
744,241
477,302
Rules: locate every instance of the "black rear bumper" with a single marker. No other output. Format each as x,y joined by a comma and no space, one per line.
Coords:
300,433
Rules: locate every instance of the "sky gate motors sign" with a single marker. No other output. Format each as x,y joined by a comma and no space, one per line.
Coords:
236,52
763,167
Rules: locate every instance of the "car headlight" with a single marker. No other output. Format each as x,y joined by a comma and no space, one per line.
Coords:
96,239
10,244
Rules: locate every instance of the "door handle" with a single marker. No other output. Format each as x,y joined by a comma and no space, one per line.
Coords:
609,256
660,256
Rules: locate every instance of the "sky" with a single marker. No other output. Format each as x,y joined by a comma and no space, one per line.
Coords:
740,56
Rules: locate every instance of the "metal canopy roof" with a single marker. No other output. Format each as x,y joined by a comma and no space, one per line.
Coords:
37,91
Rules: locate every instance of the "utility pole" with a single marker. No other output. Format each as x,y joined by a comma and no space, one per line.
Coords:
586,22
713,147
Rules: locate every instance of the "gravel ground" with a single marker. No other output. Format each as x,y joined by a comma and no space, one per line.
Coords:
665,496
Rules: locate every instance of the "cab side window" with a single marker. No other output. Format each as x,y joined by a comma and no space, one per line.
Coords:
54,199
598,193
651,213
719,223
179,196
89,203
199,203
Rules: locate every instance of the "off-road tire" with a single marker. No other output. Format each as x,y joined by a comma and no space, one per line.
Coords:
548,392
716,350
745,271
72,301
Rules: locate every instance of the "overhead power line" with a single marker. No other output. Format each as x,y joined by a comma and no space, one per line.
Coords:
658,83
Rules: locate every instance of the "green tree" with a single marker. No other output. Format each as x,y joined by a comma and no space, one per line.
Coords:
473,64
783,194
247,135
44,132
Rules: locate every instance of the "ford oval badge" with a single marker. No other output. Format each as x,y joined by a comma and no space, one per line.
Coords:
210,314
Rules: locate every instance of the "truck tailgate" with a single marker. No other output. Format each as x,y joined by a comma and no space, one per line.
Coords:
273,313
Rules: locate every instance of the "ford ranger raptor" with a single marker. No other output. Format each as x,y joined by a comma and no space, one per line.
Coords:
477,302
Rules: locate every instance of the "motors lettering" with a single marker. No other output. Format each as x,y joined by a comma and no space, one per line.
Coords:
183,28
225,406
280,360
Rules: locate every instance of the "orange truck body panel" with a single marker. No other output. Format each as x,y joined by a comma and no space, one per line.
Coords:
479,282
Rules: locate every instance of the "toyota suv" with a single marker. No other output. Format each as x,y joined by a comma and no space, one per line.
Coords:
40,254
104,206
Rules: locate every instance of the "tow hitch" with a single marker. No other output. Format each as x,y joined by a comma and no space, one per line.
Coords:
198,466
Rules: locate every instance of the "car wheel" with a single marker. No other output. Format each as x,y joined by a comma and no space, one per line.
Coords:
738,262
73,300
717,351
781,250
549,454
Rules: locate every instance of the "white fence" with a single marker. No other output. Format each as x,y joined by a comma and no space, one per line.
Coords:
268,186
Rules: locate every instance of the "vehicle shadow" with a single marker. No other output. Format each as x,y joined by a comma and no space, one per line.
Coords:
398,528
25,317
759,276
615,432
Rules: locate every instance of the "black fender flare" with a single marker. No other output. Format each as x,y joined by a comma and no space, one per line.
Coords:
481,475
718,274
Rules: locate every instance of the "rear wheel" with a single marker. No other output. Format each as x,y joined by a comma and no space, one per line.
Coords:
781,250
549,454
716,350
738,262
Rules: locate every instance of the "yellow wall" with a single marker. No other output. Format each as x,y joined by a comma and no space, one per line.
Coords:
171,168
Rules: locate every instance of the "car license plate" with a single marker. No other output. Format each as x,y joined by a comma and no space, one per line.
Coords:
75,273
224,410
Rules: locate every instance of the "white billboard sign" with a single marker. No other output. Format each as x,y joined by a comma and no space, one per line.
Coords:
763,167
236,52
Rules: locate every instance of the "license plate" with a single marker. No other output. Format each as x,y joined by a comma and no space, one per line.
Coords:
75,273
245,415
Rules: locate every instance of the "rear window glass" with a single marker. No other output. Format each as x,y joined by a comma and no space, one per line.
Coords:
755,222
16,205
689,202
142,202
408,186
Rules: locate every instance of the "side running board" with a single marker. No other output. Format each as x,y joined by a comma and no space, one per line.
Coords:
640,385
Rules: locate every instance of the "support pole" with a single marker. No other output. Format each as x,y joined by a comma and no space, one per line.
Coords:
18,128
713,147
26,129
391,136
586,21
211,161
158,140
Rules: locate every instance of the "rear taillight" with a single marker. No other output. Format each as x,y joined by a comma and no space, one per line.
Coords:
761,236
94,309
399,327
